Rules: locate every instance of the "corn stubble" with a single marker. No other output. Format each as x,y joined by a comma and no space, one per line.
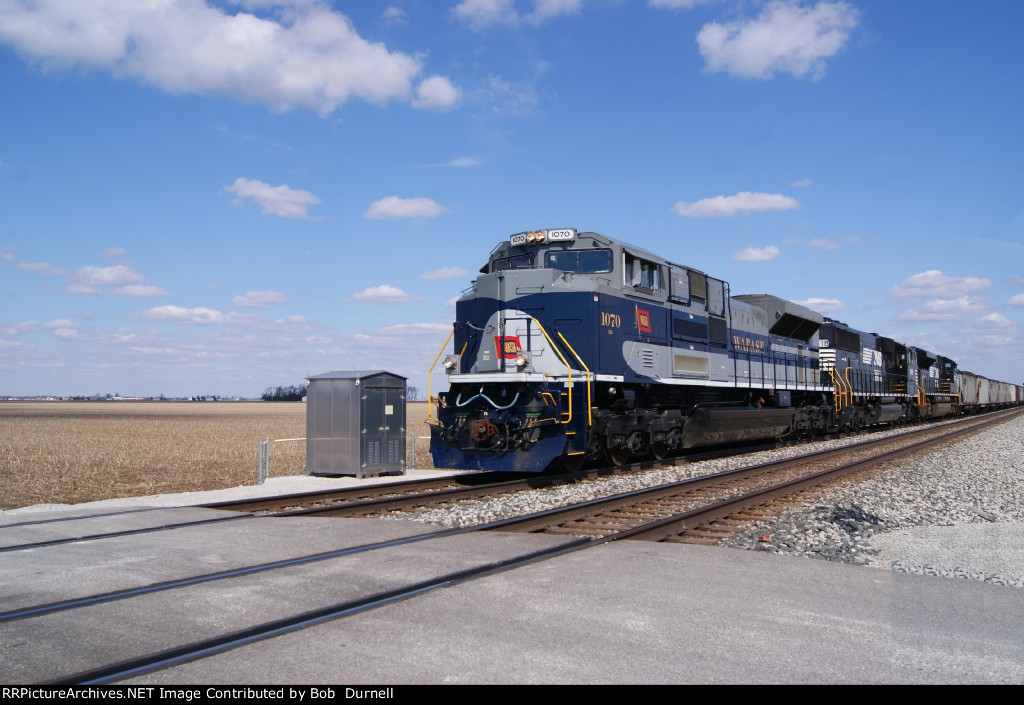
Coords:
71,452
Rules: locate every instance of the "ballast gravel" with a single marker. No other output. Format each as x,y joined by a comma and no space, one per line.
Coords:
956,512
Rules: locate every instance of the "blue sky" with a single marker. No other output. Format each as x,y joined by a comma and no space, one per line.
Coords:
217,197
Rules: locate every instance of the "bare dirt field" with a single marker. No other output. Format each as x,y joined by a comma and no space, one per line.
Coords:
71,452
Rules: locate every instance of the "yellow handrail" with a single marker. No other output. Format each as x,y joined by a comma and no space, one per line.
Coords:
430,397
590,405
841,390
564,362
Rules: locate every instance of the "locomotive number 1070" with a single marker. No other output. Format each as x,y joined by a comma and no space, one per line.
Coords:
561,235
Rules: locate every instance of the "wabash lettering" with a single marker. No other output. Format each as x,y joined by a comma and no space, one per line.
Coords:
748,345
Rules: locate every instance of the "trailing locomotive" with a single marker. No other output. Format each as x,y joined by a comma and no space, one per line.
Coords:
573,346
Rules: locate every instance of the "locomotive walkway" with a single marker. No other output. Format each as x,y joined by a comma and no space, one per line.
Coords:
629,612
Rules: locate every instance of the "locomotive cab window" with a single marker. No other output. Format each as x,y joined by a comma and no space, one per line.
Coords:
516,262
640,273
581,261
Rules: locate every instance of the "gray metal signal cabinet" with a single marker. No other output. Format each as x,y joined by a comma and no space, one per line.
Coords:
355,424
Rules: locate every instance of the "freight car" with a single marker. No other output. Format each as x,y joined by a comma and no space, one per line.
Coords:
981,394
572,346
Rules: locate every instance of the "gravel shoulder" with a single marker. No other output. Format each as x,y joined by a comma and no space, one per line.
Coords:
957,512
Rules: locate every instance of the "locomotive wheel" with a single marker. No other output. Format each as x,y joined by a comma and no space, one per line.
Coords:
618,456
659,451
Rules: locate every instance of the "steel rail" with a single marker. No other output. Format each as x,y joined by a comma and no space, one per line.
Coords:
563,515
208,647
59,606
124,532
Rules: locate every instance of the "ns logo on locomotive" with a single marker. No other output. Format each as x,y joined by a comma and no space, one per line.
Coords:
573,346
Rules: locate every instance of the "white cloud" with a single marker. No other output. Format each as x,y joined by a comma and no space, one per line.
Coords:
382,294
393,207
544,10
823,244
481,14
676,4
753,254
117,275
996,320
259,299
141,290
395,15
7,254
444,273
510,98
1016,300
33,326
291,54
147,350
275,200
743,202
822,305
943,309
784,38
991,341
113,251
292,324
178,314
437,93
802,183
42,268
450,303
196,316
935,283
390,337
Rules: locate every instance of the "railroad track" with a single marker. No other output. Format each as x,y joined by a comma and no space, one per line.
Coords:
660,519
395,496
707,509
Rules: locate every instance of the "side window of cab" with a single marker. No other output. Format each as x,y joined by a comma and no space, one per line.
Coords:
640,273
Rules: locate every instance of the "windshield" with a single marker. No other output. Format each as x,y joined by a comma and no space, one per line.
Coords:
583,261
517,262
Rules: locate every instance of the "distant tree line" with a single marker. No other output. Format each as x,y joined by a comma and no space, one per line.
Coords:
293,393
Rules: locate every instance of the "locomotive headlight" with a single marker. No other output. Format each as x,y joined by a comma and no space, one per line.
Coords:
522,361
536,238
450,363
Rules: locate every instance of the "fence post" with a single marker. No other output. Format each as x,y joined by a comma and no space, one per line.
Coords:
263,462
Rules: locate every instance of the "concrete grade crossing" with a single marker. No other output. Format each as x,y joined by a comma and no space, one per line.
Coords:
629,612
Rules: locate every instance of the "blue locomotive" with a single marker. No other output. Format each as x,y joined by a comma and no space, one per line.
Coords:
571,346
